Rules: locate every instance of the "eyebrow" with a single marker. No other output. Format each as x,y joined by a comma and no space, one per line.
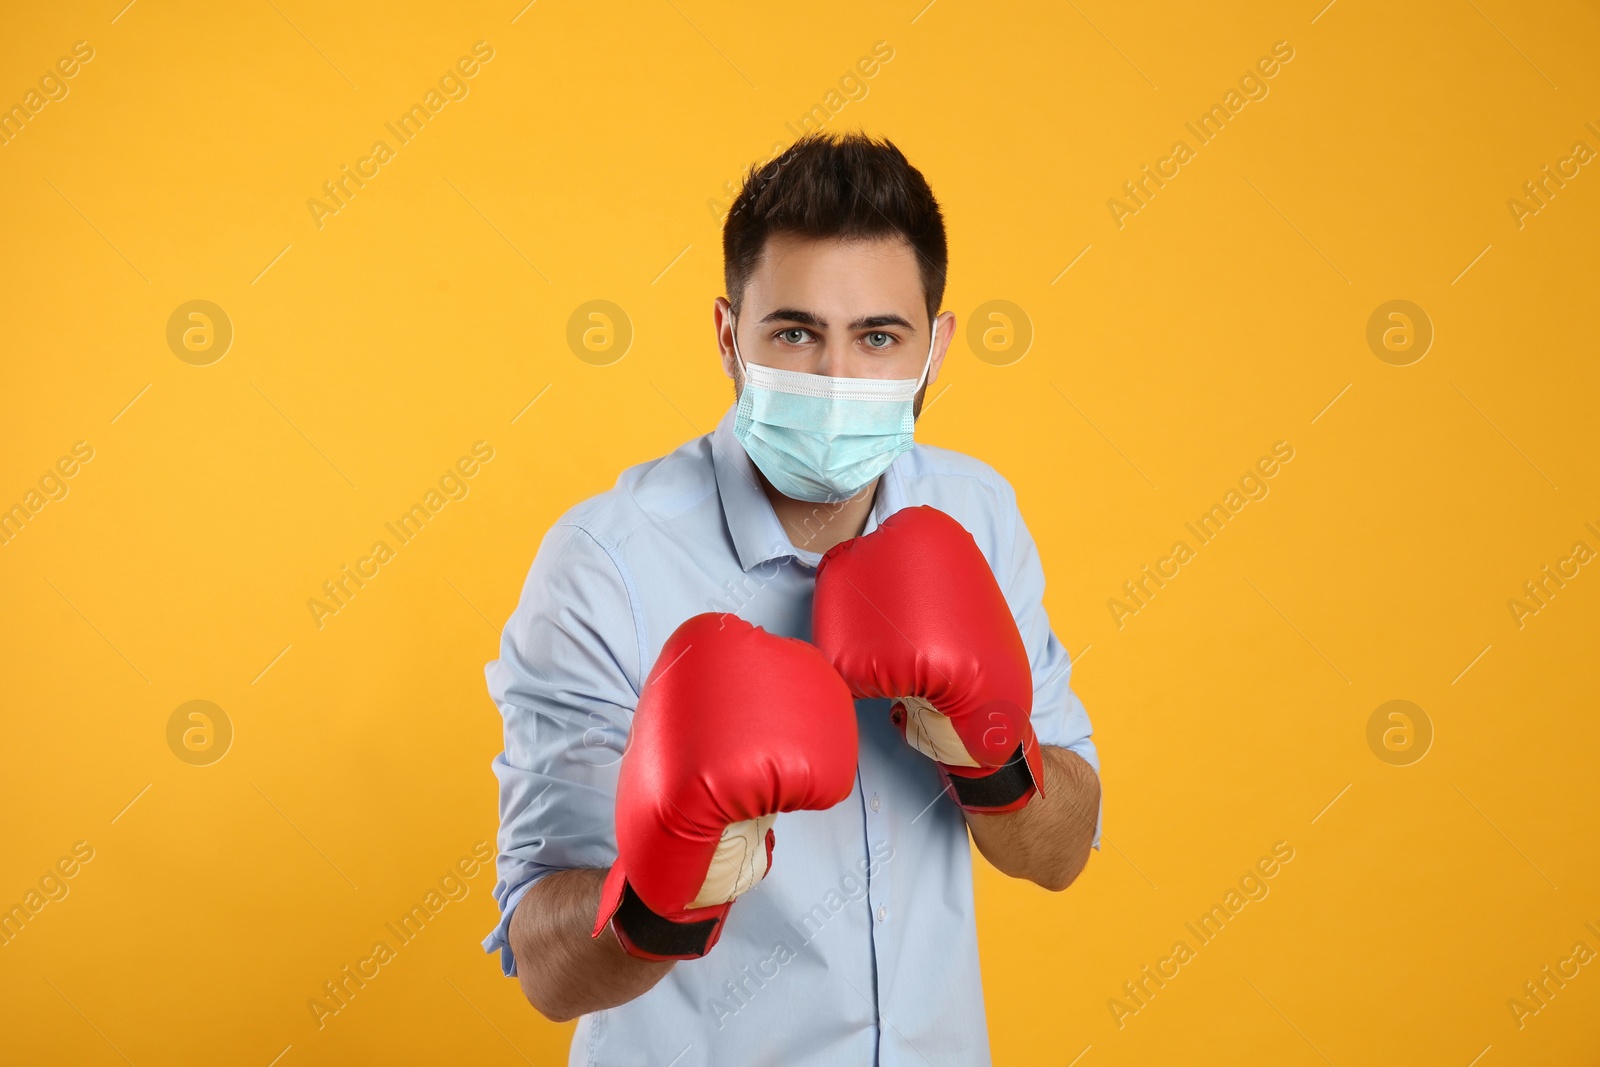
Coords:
806,318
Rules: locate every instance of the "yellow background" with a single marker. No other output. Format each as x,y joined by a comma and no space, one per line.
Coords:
428,312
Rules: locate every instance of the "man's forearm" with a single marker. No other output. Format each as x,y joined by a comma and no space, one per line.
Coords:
564,972
1047,841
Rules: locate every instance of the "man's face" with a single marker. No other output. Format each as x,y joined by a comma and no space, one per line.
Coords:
836,307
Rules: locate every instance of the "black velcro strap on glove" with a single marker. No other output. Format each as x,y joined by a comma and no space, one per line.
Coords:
659,936
1006,785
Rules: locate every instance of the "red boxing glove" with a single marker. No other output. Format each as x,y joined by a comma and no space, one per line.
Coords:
734,725
912,612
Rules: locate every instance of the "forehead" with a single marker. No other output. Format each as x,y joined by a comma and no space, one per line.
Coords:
848,274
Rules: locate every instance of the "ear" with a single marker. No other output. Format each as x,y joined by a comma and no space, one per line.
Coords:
722,317
944,330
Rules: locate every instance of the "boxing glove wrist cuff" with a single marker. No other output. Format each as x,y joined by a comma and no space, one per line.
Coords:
1007,789
644,933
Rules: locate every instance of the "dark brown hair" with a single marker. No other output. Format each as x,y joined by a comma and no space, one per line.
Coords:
835,185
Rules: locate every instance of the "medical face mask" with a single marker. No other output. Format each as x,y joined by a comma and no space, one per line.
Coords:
824,439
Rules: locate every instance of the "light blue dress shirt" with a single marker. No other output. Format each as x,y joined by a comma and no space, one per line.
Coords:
859,946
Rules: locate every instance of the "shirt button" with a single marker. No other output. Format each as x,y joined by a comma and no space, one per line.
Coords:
874,802
883,913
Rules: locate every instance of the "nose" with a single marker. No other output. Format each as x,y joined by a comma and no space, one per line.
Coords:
836,358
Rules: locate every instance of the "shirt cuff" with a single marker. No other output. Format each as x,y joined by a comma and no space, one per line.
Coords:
500,936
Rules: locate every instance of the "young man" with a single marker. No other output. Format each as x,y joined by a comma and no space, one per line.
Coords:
634,887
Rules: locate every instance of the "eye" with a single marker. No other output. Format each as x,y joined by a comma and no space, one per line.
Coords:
794,335
879,339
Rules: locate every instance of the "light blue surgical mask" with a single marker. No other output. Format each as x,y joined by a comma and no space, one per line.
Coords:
824,439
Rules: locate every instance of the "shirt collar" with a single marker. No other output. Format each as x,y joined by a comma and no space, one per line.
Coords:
757,534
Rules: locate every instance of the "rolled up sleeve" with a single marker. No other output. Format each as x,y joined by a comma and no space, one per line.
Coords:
566,684
1059,717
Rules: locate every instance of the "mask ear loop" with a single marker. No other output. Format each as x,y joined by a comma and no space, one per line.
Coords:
734,330
927,364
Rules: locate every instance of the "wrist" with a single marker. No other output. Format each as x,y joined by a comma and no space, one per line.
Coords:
647,934
1001,790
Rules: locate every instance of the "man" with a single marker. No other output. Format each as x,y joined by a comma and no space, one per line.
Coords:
634,887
